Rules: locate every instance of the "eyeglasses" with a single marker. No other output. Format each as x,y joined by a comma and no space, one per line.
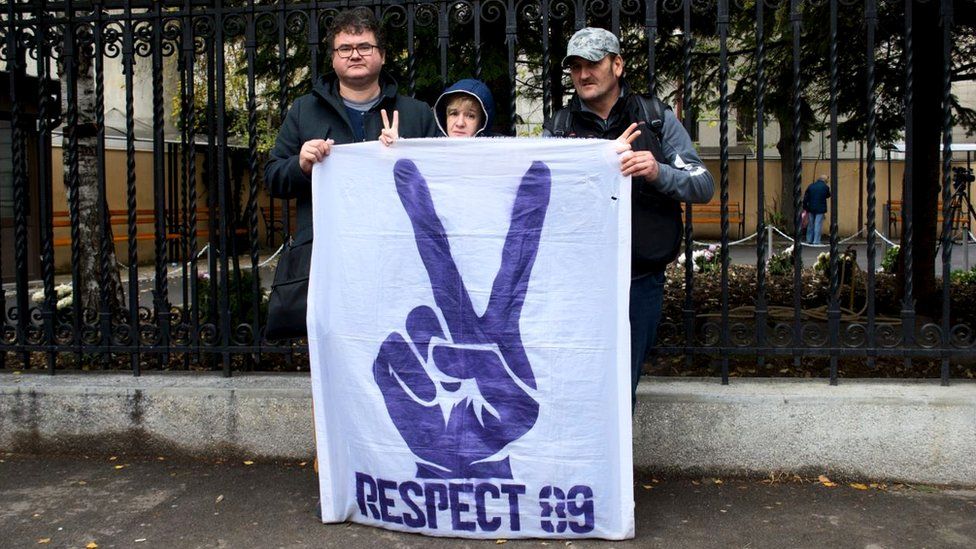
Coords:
364,50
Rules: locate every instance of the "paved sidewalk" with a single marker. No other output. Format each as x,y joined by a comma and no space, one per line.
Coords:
140,502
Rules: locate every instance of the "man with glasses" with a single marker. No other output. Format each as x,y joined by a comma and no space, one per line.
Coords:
345,107
665,168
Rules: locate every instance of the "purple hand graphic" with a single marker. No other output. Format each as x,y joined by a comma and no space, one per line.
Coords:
477,362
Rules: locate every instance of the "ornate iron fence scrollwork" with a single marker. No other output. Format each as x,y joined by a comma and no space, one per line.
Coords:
206,82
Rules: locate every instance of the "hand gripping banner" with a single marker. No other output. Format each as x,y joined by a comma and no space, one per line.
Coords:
469,337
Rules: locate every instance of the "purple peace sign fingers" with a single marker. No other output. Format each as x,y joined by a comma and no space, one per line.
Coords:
476,369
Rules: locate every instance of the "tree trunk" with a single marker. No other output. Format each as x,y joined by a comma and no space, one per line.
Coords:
90,223
787,161
925,155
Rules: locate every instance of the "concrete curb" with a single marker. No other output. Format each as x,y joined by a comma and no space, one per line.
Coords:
911,431
906,430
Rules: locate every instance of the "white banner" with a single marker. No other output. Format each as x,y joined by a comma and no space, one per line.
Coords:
469,337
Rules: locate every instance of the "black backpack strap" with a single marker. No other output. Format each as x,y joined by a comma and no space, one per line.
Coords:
653,110
561,126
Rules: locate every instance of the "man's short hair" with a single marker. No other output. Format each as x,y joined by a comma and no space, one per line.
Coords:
356,21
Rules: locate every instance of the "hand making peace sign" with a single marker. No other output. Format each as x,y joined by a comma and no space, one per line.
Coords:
389,135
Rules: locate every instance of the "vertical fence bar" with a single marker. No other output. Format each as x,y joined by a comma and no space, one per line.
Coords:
412,54
3,293
128,66
947,185
479,63
105,216
908,300
161,297
190,170
283,102
688,310
615,17
313,40
18,143
511,26
723,86
762,244
546,64
871,24
71,68
796,24
209,176
650,33
443,39
250,47
223,283
45,194
833,306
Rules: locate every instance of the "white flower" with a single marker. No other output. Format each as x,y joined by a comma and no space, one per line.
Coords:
63,289
64,303
38,296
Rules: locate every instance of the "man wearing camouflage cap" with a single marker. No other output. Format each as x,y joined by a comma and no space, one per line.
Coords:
665,168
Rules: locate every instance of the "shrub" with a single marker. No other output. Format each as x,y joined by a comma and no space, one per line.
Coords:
890,262
707,260
963,278
781,263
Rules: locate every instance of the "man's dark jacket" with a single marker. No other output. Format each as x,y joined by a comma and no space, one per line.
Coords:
815,197
321,114
655,205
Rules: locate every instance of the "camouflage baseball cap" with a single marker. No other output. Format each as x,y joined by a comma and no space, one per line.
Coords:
592,44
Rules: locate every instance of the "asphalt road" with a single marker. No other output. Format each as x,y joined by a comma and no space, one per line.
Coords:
161,502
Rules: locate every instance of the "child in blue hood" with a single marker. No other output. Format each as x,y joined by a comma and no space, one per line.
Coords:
465,109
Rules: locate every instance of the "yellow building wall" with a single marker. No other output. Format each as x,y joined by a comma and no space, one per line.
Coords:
847,198
115,177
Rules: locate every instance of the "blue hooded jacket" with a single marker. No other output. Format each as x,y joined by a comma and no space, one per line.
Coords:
474,88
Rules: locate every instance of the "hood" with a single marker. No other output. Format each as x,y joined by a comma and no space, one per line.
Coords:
474,88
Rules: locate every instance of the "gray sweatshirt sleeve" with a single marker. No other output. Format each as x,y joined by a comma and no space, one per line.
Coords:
684,177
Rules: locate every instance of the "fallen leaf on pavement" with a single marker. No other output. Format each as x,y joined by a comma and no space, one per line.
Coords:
826,481
718,481
120,466
219,498
858,486
647,486
91,545
140,540
248,462
500,541
44,540
113,458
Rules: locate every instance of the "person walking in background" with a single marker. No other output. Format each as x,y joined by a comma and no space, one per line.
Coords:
815,203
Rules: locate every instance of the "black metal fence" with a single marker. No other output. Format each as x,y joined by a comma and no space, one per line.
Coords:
222,74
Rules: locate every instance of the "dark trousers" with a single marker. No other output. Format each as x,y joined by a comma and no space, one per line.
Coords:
646,299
